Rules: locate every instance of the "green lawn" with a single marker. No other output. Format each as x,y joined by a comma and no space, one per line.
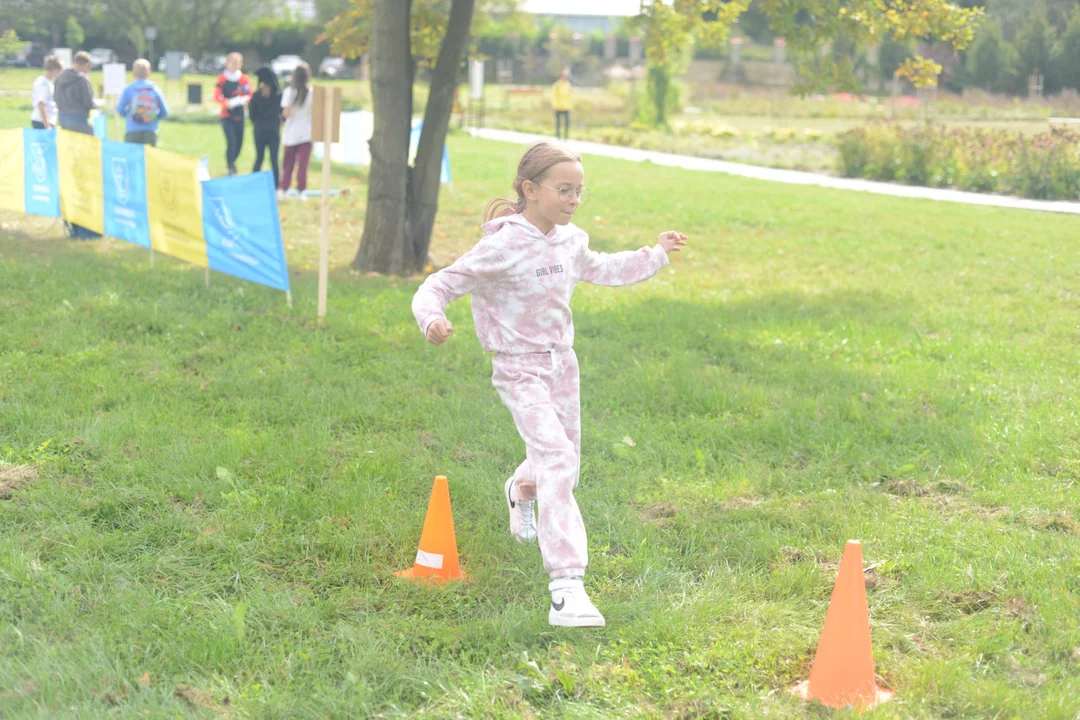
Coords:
216,492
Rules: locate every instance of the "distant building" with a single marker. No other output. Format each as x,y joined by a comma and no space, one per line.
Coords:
584,16
300,9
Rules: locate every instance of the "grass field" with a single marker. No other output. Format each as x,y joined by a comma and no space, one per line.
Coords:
208,494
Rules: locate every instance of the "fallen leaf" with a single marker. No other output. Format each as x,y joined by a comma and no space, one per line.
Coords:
144,681
629,441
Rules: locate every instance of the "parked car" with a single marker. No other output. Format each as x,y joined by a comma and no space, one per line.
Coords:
211,64
30,55
335,67
101,56
283,65
34,57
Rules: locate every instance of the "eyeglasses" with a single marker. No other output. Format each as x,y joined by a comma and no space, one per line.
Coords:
567,193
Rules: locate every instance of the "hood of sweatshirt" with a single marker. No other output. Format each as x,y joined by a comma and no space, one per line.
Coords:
68,79
517,223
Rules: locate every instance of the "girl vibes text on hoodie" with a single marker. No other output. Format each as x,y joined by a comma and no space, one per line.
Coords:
521,282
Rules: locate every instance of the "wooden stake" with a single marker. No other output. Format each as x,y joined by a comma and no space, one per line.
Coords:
324,239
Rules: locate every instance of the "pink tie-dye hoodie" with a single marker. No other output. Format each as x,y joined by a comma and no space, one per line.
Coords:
521,282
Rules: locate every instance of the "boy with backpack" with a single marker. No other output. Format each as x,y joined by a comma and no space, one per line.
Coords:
143,105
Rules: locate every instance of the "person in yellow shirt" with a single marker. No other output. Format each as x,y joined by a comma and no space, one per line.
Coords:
562,102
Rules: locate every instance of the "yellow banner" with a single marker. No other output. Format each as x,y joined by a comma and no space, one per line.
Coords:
174,204
12,171
82,201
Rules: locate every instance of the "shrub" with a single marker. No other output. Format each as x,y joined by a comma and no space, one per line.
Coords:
1044,166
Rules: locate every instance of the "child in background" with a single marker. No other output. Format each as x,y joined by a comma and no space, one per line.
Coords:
143,106
296,106
265,113
233,92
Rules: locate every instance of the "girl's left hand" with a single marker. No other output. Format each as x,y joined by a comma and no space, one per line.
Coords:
672,241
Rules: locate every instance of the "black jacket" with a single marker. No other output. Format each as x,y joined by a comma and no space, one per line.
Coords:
265,111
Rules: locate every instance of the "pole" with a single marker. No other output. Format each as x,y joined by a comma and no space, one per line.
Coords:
324,239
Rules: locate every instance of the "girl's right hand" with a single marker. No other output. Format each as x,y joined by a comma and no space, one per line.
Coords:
672,241
439,331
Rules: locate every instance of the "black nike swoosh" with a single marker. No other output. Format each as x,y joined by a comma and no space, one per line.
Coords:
558,605
512,503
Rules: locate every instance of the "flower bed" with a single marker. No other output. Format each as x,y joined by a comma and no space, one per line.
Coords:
1044,166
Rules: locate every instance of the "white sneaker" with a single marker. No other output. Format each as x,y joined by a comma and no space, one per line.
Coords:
522,514
280,195
571,606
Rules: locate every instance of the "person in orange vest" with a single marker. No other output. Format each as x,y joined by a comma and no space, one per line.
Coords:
562,102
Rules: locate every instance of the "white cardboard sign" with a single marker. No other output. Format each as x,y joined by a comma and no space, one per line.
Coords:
115,78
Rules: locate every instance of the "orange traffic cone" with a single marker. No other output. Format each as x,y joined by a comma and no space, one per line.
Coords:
437,558
843,670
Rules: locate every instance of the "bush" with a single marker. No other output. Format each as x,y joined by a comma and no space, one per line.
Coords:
1044,166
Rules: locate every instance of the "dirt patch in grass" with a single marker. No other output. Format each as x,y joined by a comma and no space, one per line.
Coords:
197,699
944,495
740,502
193,506
970,602
14,478
904,487
1058,523
1029,676
24,688
1019,609
830,566
659,514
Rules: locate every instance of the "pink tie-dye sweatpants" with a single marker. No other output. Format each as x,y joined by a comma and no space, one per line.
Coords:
541,391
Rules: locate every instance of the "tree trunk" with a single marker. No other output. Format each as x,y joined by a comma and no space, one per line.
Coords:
427,170
659,81
381,247
403,201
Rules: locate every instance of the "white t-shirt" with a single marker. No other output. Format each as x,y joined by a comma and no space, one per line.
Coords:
42,92
298,124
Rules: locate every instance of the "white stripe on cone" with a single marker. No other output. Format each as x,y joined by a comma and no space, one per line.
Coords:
429,560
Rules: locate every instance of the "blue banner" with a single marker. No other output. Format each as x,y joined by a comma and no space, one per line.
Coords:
123,170
242,229
414,141
42,180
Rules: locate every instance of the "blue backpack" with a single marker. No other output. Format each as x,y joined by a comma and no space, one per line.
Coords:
145,106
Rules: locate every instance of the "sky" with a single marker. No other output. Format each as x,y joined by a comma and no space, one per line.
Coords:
582,7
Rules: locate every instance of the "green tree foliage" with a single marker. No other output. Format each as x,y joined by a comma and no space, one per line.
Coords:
672,28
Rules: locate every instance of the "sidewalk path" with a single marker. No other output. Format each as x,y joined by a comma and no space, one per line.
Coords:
792,177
